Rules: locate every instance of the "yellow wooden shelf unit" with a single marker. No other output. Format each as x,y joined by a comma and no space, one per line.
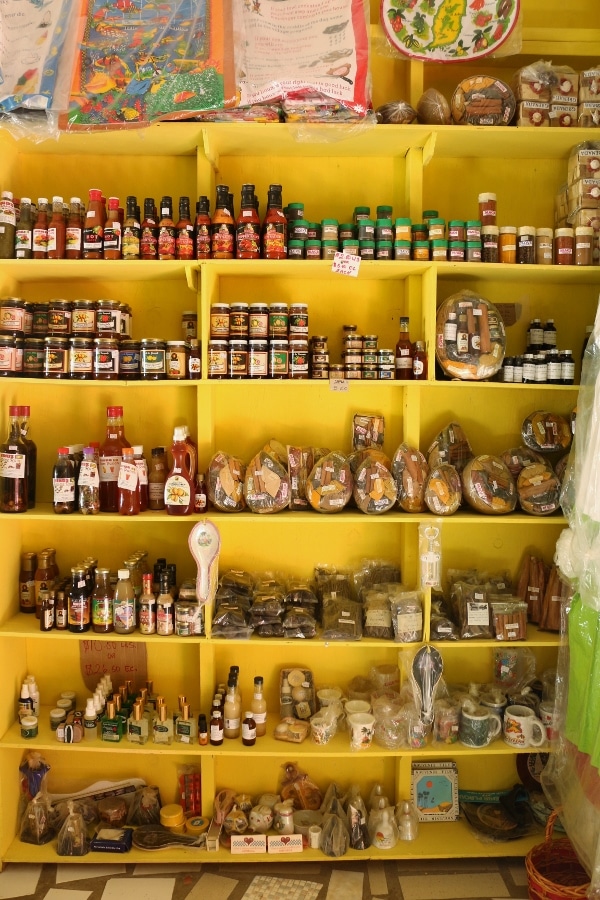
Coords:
412,168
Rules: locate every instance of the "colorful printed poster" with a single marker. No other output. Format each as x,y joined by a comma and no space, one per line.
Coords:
32,41
143,60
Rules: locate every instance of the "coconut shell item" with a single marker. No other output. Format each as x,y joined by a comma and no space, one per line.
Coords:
225,482
433,108
443,492
546,432
452,446
516,458
329,486
488,486
396,112
375,490
539,489
470,337
483,100
410,470
267,485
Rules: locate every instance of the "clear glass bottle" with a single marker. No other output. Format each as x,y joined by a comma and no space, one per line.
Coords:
79,603
93,230
102,603
111,725
232,712
88,484
166,230
46,610
128,497
27,582
404,352
137,725
162,726
131,230
56,245
142,467
164,608
13,466
147,606
73,232
179,486
63,483
110,454
274,226
258,707
248,730
186,727
90,721
8,225
202,228
247,226
216,728
124,604
157,477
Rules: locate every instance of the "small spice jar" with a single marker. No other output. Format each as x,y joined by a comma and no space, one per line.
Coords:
507,244
366,249
473,251
239,320
456,251
258,358
219,320
298,229
237,358
56,357
346,231
177,355
59,317
487,209
84,318
298,319
329,230
369,342
314,231
353,372
336,372
330,248
319,371
439,250
544,246
402,230
278,320
489,240
57,717
473,227
29,727
129,360
526,245
318,343
279,358
369,373
351,246
437,229
298,358
33,357
258,320
584,240
312,249
457,230
420,250
106,359
564,246
217,359
402,250
126,320
108,319
81,358
152,359
383,230
366,230
295,249
384,250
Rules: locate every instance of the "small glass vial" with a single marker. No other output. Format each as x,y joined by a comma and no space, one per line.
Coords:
248,730
162,726
544,247
419,362
528,369
164,608
137,725
507,244
508,370
216,728
567,367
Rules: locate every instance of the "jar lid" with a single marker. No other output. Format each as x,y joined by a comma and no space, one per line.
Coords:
196,825
147,341
366,223
279,342
370,337
220,306
296,243
238,341
335,367
380,244
329,243
29,721
421,244
438,243
381,223
58,714
401,243
544,232
217,343
457,244
456,223
296,306
473,223
56,340
362,244
177,344
430,214
474,245
171,815
419,227
490,229
564,232
295,205
84,302
301,222
350,242
584,229
190,312
484,197
508,229
313,243
403,222
362,209
278,306
329,222
239,305
525,229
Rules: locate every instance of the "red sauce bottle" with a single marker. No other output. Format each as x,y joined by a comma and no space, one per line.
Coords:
202,228
222,242
112,231
56,244
110,454
149,232
404,353
166,230
247,228
274,228
74,230
93,230
184,231
179,486
128,497
40,230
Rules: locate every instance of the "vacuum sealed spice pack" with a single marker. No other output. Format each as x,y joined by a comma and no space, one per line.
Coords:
452,446
266,485
410,470
377,614
516,458
546,432
342,619
300,464
443,490
538,488
329,486
472,611
509,619
374,488
483,100
225,482
488,486
470,337
407,616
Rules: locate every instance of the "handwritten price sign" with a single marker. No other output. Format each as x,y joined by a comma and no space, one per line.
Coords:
122,660
346,264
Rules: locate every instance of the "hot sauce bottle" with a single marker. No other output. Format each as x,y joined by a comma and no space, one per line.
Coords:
93,231
149,233
24,230
166,230
56,244
40,230
404,352
184,231
247,228
202,228
110,454
73,230
274,227
112,231
223,227
131,231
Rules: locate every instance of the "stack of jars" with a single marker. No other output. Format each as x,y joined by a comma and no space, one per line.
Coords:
258,341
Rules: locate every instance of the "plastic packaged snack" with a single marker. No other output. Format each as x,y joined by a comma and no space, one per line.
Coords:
225,482
342,619
443,492
470,337
410,469
144,808
72,837
395,112
300,462
538,488
516,458
300,593
509,619
473,611
483,100
488,486
367,431
374,573
407,616
546,432
331,581
452,446
531,585
230,621
298,787
293,730
266,485
276,449
329,486
375,489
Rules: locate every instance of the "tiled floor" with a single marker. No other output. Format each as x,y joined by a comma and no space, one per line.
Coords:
487,879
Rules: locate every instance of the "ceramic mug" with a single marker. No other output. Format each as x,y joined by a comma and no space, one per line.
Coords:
357,706
326,696
362,729
322,729
522,728
479,727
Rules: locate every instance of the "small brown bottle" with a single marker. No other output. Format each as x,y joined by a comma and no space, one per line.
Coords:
27,582
248,730
216,728
61,621
46,610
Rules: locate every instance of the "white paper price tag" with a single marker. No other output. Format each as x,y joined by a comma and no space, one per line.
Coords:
346,264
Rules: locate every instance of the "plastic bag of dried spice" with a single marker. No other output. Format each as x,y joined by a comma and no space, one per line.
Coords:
266,485
410,469
329,486
225,482
488,486
375,489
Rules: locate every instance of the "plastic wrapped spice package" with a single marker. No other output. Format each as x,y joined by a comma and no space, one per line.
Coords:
375,489
299,622
333,581
546,432
377,614
266,485
73,838
488,486
329,486
470,337
483,100
300,593
451,446
531,585
225,482
396,112
509,619
441,625
374,572
266,613
538,488
473,611
410,469
516,458
373,453
407,616
443,490
367,431
342,619
301,463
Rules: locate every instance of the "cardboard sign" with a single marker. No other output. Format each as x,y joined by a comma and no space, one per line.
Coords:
121,659
285,843
248,843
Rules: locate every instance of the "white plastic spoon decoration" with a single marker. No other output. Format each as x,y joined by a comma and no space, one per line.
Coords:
204,543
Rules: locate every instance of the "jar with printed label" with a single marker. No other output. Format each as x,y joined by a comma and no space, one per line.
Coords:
219,320
217,359
152,359
11,354
59,317
278,320
81,358
487,208
564,245
298,319
106,359
298,359
238,320
12,316
33,357
258,320
108,318
189,324
84,318
544,246
237,358
489,244
177,355
526,245
56,357
129,360
258,359
278,358
507,244
584,242
39,326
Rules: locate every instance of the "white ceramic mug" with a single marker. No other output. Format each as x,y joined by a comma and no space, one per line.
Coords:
522,728
479,727
322,729
326,696
362,729
357,706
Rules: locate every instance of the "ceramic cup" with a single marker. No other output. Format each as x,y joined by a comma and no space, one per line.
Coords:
494,700
362,729
322,729
357,706
479,727
522,728
549,719
326,696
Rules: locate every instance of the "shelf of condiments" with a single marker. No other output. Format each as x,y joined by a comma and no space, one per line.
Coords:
542,362
90,340
95,599
259,341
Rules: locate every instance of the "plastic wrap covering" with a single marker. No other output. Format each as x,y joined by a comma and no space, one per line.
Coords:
572,777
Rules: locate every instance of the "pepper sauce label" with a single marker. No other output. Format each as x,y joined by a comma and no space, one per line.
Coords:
72,238
149,242
274,240
248,239
92,238
166,242
184,243
203,242
222,239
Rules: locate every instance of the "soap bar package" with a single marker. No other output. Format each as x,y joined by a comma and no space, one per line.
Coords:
112,840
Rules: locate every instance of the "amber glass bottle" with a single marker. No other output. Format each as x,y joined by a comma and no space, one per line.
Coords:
40,230
247,228
73,230
222,229
166,230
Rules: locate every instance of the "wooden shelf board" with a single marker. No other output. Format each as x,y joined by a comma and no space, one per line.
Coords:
32,271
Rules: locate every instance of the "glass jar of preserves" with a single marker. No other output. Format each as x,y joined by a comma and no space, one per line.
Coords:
189,324
298,358
217,359
279,358
237,358
28,325
298,319
8,355
39,325
258,359
153,365
84,318
219,320
81,358
126,320
106,359
108,318
318,343
12,316
33,357
353,372
278,320
129,360
60,317
238,320
177,354
507,244
336,372
258,320
56,357
369,373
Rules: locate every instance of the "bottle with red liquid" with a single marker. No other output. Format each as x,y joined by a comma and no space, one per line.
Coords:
166,230
142,467
93,230
110,455
419,362
184,231
179,486
247,226
56,244
13,466
274,227
128,497
222,230
40,230
112,247
202,228
31,462
73,230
